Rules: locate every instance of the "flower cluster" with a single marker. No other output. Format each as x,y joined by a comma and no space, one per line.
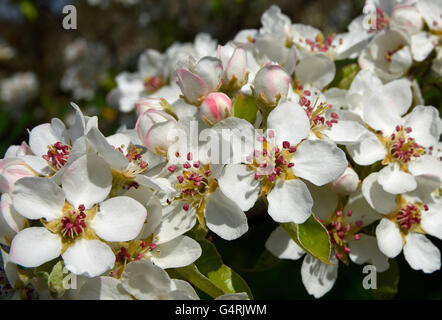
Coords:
351,159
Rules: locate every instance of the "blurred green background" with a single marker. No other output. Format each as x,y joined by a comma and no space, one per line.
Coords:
32,40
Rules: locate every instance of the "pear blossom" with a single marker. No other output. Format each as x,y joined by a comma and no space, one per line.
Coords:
75,218
274,171
215,107
407,218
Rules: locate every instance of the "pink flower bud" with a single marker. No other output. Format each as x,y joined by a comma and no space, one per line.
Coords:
347,183
11,170
153,128
271,83
216,107
236,66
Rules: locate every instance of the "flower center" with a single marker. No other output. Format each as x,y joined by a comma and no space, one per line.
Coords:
57,155
134,250
401,148
272,163
341,231
319,43
73,223
408,216
194,184
152,84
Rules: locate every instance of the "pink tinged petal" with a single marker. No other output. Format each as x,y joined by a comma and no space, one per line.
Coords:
431,220
87,181
102,288
36,198
290,123
236,67
368,151
238,183
426,125
309,161
376,196
389,238
179,252
89,258
318,278
224,217
316,69
394,180
282,246
39,165
192,86
113,157
215,107
272,81
366,250
210,70
161,136
10,221
34,246
119,219
290,201
420,253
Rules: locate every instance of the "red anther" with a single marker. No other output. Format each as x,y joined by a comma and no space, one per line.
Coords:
357,236
292,149
186,206
408,129
171,168
286,144
197,164
334,115
189,156
291,164
349,212
180,179
187,165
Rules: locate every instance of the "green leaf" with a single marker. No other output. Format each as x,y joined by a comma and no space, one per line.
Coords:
212,266
245,108
311,236
45,269
387,282
266,261
55,279
344,76
194,276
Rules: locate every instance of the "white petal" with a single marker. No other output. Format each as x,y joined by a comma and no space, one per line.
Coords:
368,151
290,201
282,246
426,165
145,281
113,157
397,96
179,252
379,116
376,196
290,123
395,181
426,125
420,253
89,258
192,86
309,161
34,246
103,288
210,69
41,137
316,69
238,183
366,250
185,288
176,221
345,132
318,278
389,238
362,211
36,198
422,43
87,181
431,220
119,219
224,217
